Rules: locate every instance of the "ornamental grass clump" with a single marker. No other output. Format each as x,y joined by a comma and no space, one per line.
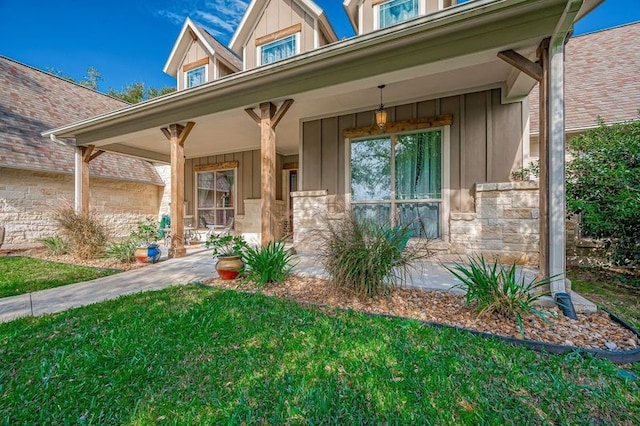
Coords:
496,289
55,245
266,265
86,234
367,257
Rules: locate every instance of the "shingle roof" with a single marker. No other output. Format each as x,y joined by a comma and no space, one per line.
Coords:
221,50
32,101
602,78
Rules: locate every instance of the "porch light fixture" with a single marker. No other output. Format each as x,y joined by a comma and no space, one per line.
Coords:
381,113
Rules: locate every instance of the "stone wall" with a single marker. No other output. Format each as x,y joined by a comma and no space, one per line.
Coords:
164,171
505,224
250,222
28,198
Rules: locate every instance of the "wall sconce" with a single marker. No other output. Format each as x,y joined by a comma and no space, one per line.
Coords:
381,114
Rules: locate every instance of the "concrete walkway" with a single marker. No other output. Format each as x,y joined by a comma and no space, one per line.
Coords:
197,266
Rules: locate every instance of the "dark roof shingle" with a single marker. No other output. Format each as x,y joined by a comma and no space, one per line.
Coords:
33,101
602,78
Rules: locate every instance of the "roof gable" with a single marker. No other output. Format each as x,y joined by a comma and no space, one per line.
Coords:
33,101
254,12
191,31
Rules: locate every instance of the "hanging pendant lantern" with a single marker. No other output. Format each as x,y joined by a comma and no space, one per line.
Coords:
381,113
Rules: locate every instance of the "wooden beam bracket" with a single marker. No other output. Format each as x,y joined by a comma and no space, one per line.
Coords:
516,60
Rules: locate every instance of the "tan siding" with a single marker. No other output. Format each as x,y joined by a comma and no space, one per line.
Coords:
288,159
344,122
367,17
255,185
329,134
432,6
507,138
312,153
280,14
223,70
323,165
247,175
195,52
474,148
452,106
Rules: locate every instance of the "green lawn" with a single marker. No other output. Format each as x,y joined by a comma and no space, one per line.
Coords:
197,355
599,287
19,275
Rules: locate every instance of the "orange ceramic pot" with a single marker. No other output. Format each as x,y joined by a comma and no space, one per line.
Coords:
229,267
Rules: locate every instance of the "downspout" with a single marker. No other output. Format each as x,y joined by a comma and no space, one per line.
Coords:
78,165
556,159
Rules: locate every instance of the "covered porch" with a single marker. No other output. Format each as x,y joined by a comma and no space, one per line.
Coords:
256,121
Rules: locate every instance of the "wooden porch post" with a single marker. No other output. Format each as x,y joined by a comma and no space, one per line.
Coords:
84,155
268,120
177,134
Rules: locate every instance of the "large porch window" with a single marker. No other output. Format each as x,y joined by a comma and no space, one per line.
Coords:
215,197
398,179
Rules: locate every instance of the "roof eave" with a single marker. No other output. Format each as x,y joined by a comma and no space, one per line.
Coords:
446,23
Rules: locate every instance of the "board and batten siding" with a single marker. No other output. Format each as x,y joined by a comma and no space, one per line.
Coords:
278,15
485,143
247,174
195,53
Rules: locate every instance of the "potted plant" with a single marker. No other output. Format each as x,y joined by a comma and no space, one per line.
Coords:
229,249
145,236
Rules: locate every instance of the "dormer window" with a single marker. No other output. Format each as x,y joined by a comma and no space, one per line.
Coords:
196,76
279,49
395,11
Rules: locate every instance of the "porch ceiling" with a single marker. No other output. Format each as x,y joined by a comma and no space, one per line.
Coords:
450,52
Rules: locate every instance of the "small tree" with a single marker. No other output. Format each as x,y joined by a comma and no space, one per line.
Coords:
603,186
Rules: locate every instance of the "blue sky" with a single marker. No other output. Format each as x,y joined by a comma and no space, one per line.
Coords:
129,40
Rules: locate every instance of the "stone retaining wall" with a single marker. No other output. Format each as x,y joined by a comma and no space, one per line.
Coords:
27,199
505,222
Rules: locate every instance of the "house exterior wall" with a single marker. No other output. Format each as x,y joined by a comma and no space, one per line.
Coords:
247,175
195,53
367,24
505,223
278,15
485,143
27,199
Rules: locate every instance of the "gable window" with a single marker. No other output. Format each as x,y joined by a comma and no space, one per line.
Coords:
396,11
215,197
279,49
196,77
397,179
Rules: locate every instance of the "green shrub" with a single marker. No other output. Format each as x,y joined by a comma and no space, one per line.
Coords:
366,257
603,187
270,264
55,245
122,251
494,289
86,234
531,172
147,232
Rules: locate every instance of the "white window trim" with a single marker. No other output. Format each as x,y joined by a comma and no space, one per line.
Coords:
196,207
422,10
445,201
206,76
259,48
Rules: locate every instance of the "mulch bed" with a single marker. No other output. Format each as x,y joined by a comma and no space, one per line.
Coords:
590,331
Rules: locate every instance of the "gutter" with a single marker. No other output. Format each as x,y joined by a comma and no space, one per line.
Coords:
556,160
434,24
